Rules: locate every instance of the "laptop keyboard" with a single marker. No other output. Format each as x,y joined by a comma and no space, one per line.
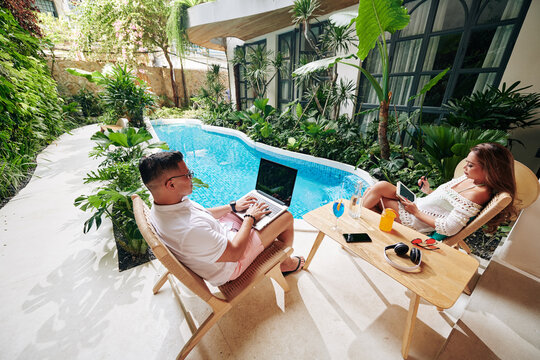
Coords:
271,206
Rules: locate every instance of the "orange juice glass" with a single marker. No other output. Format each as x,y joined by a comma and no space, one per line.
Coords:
387,220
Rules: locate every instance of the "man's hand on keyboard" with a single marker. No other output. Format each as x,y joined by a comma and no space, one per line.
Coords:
245,203
258,210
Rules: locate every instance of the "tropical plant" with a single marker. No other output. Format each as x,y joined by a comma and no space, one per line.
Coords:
120,177
211,97
373,20
501,109
24,12
91,105
124,93
177,24
30,110
174,113
129,145
57,33
401,166
260,67
127,95
123,30
303,11
320,87
446,146
259,120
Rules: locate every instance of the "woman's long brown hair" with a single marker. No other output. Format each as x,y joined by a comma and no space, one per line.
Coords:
498,165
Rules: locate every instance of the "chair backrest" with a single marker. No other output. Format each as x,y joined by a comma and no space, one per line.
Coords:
527,190
191,280
495,205
122,122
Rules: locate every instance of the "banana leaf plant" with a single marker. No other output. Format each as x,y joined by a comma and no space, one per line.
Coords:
128,144
373,20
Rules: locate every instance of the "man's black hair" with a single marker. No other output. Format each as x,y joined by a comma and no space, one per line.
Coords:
153,166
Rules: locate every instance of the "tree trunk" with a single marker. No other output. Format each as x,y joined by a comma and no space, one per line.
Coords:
383,127
173,82
310,41
184,92
236,70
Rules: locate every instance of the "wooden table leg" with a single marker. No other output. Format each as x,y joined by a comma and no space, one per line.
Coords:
409,327
314,248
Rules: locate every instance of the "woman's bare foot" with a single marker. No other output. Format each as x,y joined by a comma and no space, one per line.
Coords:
292,264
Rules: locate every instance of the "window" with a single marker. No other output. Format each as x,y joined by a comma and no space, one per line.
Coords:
294,48
287,47
246,95
46,6
472,37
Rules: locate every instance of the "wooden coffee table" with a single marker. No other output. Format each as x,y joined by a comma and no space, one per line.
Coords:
440,280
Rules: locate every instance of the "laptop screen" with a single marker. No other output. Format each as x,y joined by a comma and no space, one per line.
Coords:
276,180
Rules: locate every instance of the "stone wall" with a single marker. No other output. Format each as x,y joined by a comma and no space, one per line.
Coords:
157,78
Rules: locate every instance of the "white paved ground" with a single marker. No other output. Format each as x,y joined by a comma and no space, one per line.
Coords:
62,297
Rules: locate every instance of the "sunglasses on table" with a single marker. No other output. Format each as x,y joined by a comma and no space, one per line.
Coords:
428,244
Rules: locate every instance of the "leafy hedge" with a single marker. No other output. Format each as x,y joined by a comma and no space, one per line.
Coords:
30,110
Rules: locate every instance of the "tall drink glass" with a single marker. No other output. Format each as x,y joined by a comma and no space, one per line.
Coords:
355,204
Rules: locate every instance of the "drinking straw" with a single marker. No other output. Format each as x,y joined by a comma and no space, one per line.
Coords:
382,204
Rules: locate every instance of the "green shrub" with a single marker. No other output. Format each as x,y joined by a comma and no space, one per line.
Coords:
124,93
503,109
175,113
119,175
446,146
127,95
31,115
90,103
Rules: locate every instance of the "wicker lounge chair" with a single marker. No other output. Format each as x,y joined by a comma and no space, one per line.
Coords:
527,192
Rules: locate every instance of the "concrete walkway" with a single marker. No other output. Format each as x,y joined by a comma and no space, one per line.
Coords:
62,297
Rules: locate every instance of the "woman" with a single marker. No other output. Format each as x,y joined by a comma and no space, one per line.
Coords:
489,169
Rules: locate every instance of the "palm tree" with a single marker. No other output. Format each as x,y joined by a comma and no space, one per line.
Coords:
303,11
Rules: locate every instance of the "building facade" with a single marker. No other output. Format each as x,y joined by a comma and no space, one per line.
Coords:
483,42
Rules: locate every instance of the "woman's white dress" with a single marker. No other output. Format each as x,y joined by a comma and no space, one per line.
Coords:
451,210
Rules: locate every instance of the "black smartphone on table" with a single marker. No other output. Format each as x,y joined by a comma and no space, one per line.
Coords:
358,237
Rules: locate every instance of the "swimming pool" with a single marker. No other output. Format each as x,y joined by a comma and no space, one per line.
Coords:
229,165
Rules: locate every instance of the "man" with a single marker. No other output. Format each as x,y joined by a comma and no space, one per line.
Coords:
214,243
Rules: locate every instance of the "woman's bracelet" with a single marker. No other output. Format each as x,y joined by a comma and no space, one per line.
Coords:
251,216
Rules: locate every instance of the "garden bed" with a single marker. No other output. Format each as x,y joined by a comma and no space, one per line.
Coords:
482,244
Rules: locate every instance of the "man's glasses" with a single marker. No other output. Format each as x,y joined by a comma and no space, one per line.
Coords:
428,244
189,175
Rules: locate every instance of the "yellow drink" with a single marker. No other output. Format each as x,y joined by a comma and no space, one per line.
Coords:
387,220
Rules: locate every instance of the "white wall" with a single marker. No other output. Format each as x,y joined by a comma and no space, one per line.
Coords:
524,66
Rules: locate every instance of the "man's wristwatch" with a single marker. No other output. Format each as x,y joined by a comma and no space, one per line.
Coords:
233,205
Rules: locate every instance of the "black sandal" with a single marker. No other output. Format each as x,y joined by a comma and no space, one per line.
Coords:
285,273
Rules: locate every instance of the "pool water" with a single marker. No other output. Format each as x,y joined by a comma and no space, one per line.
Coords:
230,166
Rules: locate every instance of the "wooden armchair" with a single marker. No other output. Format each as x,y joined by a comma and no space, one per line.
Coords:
267,264
527,190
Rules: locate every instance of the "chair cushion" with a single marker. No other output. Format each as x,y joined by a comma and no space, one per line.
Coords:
271,256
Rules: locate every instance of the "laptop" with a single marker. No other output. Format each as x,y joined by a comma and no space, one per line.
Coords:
274,187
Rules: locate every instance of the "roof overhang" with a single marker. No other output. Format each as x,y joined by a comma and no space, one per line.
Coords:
210,23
